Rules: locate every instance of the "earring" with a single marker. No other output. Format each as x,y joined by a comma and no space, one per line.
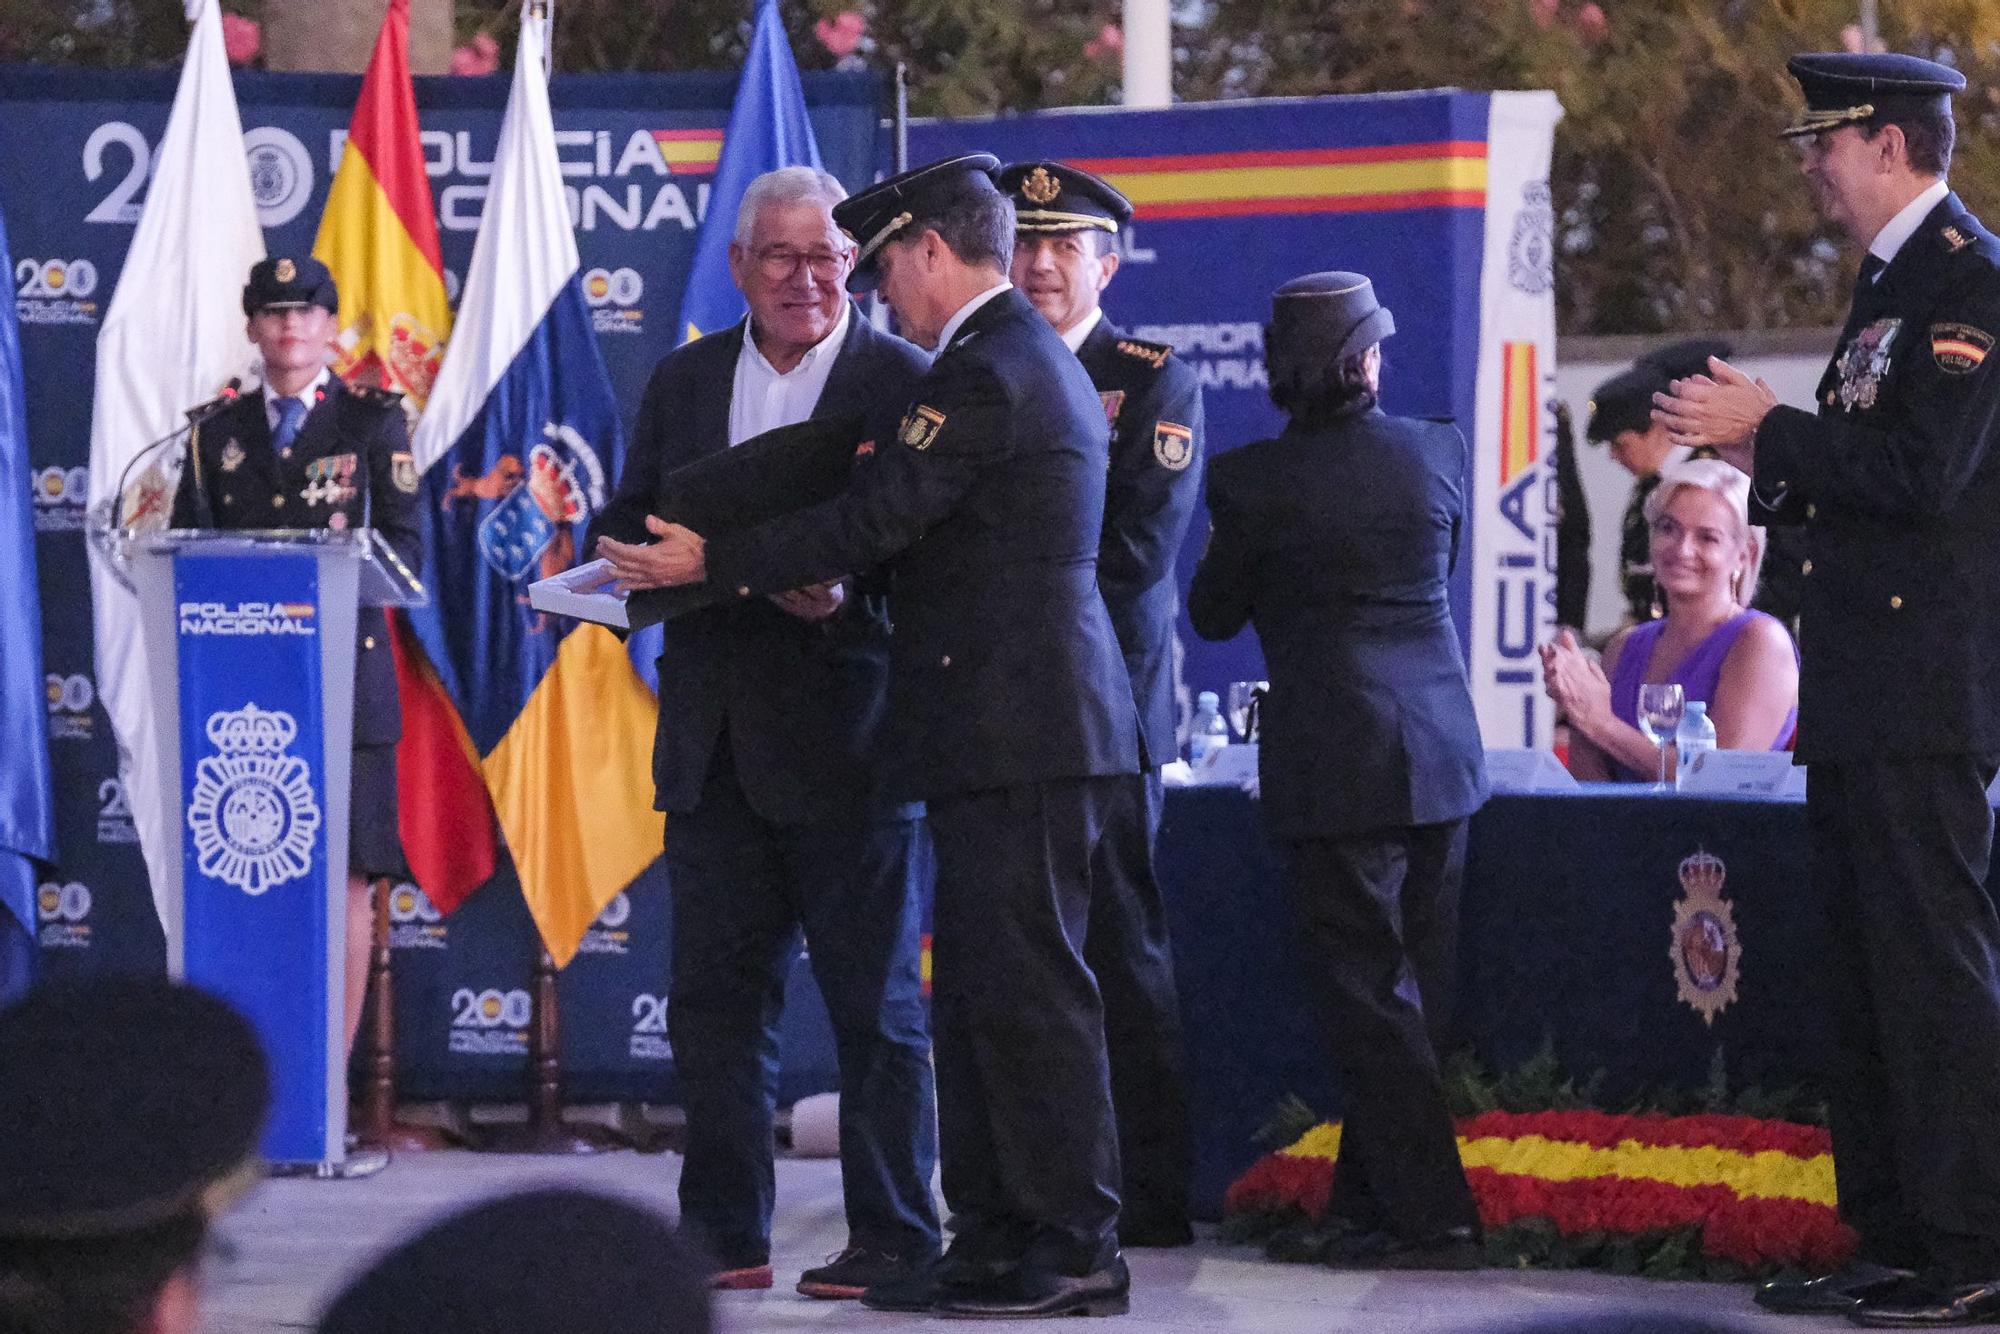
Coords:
1658,610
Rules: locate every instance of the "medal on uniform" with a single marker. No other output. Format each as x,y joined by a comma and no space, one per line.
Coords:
1863,364
232,456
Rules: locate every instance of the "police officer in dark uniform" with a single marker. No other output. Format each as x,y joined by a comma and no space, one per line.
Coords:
1065,251
1896,481
1010,712
305,450
1336,541
132,1108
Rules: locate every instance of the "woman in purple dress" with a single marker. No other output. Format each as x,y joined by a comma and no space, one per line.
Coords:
1742,663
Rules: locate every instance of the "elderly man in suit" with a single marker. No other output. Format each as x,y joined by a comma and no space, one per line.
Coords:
764,764
1010,713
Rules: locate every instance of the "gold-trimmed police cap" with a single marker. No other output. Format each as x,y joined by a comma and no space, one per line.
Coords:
1854,88
129,1103
877,215
287,282
1055,197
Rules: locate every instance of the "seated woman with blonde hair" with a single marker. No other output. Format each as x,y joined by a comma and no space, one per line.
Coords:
1742,663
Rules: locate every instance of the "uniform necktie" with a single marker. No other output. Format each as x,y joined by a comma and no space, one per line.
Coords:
1864,283
291,415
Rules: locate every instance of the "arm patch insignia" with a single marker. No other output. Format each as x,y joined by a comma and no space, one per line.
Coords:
1959,348
1173,446
403,472
920,426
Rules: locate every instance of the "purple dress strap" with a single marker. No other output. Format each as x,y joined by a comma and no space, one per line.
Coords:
1698,674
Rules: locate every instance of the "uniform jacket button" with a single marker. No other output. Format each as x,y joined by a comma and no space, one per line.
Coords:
945,661
743,590
1896,603
1806,568
368,641
285,453
229,500
1812,510
277,502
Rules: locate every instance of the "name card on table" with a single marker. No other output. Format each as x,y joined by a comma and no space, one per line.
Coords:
1758,773
1512,771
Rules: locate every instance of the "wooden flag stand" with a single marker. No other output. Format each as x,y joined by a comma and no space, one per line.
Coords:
379,1126
545,1132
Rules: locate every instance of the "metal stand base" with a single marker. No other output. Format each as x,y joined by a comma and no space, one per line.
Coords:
361,1163
541,1140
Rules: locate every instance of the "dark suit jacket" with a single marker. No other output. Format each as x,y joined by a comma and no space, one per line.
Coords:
987,503
360,442
802,700
1153,401
1337,543
1897,483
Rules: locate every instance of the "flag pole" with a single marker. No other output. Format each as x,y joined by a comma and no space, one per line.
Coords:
901,132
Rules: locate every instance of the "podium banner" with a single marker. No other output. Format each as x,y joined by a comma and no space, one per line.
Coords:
257,825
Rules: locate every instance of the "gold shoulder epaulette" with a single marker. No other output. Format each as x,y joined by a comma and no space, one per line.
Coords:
1153,354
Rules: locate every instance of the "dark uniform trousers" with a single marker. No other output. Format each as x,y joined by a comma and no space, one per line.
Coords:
1154,402
1895,484
1376,918
742,888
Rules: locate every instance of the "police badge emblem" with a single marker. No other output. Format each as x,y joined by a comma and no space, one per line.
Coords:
253,813
1706,954
232,456
285,271
1863,364
403,472
920,427
1173,446
1039,187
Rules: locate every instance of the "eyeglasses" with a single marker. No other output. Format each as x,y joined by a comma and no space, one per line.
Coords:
781,262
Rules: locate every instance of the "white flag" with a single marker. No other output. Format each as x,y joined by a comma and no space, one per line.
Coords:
172,338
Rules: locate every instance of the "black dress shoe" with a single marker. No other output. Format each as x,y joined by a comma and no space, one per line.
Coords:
921,1287
1931,1306
1829,1294
1454,1248
1032,1292
853,1271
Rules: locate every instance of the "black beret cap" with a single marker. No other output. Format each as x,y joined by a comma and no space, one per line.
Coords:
1319,318
1625,401
550,1261
870,219
127,1103
1850,88
285,281
1052,197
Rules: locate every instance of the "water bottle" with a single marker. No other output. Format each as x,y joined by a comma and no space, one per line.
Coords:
1207,733
1695,736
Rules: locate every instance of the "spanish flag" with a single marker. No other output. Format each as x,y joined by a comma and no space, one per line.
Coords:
379,237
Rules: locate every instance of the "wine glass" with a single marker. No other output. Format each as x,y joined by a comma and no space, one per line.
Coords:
1242,704
1660,709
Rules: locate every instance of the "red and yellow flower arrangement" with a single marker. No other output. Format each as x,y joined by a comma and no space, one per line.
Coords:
1711,1195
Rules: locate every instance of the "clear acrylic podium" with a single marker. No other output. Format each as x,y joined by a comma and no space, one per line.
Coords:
250,637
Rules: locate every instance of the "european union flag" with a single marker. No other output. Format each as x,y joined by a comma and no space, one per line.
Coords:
27,795
768,129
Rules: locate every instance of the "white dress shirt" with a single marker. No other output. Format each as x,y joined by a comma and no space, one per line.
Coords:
762,398
305,395
951,326
1073,339
1904,225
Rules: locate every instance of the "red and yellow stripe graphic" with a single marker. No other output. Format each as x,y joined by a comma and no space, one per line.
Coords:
1447,174
379,231
1520,410
1761,1192
689,152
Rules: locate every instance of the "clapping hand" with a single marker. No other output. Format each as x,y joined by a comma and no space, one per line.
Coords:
678,557
1721,410
1574,680
814,602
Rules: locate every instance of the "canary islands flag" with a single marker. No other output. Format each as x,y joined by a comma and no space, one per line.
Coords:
768,129
518,447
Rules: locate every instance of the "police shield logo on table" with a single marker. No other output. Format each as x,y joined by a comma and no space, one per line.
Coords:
253,813
1707,956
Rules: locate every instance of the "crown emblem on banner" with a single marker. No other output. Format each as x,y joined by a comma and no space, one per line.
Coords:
1706,952
251,731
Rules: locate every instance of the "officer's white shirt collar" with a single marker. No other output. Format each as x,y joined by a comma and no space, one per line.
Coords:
1904,225
1073,339
763,398
305,395
965,312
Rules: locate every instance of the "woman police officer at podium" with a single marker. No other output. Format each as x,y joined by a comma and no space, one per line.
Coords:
306,450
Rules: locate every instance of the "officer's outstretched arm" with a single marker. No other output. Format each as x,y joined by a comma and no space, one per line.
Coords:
1219,599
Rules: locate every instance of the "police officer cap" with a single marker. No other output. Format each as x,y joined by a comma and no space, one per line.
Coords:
884,210
547,1261
127,1103
1321,318
1051,197
1625,401
1851,88
283,282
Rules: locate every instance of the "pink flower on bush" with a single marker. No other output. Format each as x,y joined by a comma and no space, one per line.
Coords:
1543,12
1591,23
481,55
242,38
842,34
1109,42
